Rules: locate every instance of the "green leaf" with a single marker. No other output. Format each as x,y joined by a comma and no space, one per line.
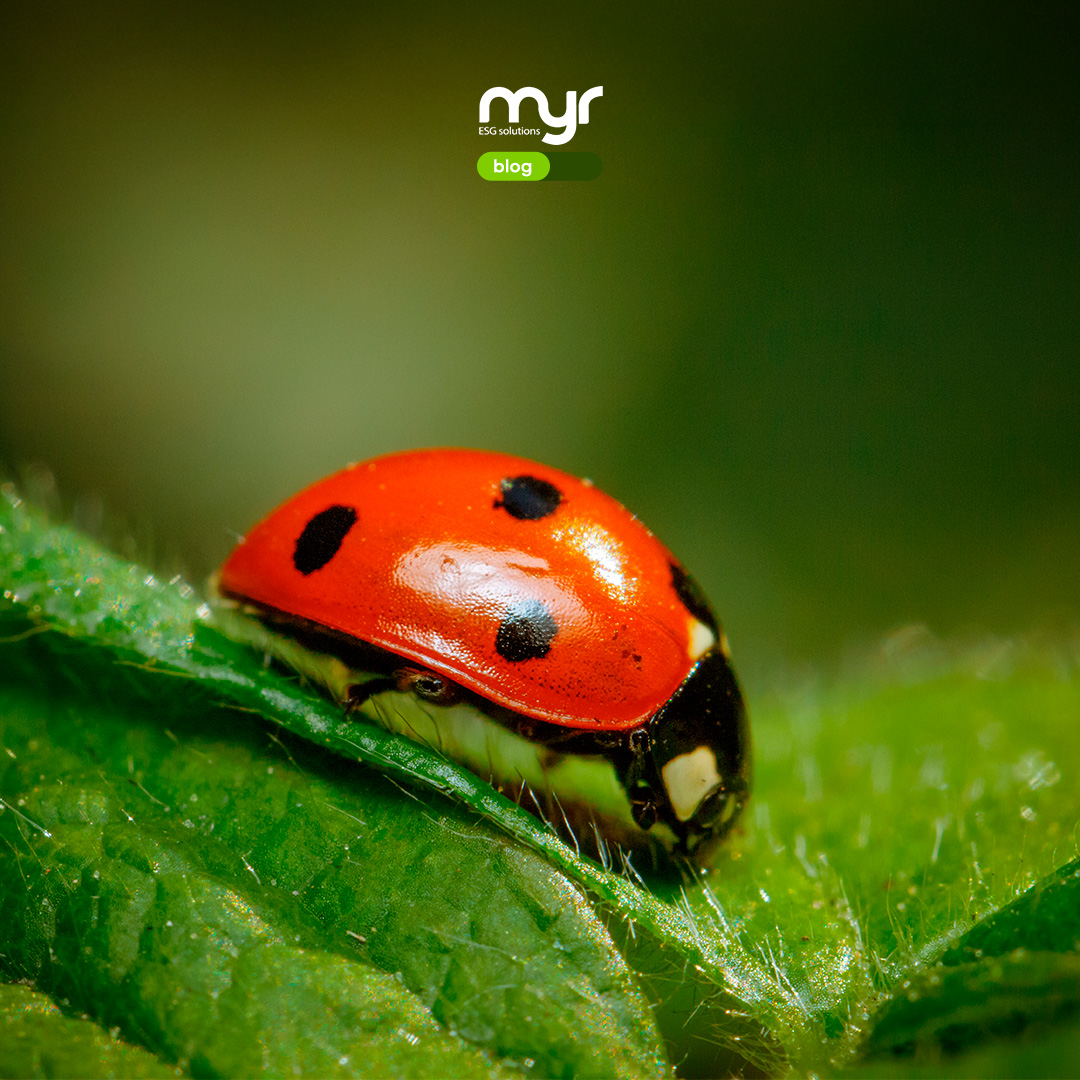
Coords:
198,850
893,816
943,1013
1014,975
38,1040
172,866
1046,917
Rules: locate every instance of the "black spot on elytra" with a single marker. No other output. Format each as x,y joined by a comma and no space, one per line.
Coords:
526,632
528,498
693,597
321,538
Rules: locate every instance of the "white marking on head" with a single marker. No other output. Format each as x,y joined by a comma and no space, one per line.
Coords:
688,779
702,639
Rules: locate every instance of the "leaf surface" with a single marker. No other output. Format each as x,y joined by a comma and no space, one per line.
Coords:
202,852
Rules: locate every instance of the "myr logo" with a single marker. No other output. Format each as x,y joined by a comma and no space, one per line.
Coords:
577,112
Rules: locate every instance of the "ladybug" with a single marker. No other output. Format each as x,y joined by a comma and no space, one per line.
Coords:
520,621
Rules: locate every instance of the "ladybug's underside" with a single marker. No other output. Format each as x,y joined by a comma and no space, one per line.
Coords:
676,783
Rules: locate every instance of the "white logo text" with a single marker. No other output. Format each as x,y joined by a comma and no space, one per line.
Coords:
577,111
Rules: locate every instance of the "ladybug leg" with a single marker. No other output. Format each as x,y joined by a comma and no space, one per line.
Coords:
636,775
358,693
643,808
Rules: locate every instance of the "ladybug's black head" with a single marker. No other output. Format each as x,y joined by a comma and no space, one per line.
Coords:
690,775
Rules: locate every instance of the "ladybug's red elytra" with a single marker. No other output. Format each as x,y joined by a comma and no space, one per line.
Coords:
519,620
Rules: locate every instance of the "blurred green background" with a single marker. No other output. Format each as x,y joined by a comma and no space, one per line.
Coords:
816,323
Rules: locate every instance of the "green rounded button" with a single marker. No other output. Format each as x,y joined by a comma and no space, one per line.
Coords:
513,165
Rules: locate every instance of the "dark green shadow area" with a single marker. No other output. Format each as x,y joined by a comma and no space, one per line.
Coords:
573,165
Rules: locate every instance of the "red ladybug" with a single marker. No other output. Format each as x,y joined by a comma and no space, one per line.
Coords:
521,621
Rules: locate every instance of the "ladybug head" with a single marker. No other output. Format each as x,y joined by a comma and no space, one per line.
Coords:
690,773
